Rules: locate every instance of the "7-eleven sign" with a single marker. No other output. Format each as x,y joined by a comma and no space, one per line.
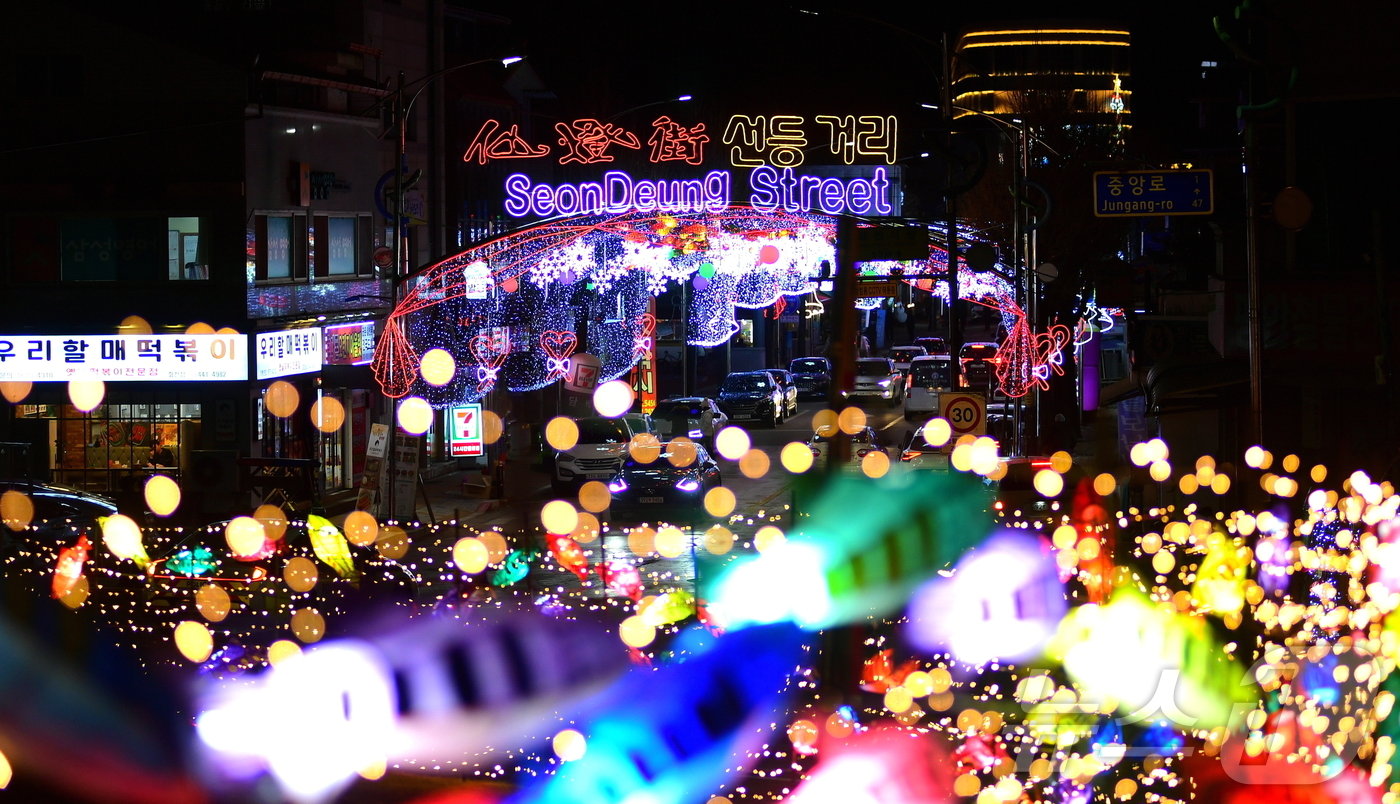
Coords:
465,430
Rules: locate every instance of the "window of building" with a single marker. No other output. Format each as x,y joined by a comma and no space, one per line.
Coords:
132,248
292,247
133,439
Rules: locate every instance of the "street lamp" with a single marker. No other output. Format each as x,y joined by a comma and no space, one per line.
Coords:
402,112
677,99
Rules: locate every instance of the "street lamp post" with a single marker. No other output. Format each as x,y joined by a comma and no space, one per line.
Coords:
402,112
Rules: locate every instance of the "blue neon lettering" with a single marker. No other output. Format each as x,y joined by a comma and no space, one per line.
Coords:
860,192
832,195
882,197
615,182
716,190
644,196
566,199
542,199
517,197
764,181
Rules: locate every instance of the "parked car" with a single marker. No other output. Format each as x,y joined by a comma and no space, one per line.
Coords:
863,441
903,355
934,346
695,417
877,377
602,444
789,386
60,513
811,375
927,376
751,395
978,360
679,478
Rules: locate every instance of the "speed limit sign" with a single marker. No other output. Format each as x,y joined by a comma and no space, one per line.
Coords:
965,413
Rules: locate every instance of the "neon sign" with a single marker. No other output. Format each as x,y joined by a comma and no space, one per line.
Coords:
771,189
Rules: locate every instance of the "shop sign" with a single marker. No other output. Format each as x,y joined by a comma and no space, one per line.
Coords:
466,439
583,373
288,351
348,344
117,358
476,280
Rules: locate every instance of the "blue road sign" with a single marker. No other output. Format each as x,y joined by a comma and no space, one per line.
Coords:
1140,193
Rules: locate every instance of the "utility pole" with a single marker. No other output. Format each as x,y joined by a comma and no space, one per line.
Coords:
951,210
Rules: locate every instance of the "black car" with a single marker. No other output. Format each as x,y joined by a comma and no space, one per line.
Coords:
751,395
678,478
60,512
811,375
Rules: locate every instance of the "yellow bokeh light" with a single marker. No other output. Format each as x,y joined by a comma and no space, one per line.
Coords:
1048,482
1105,484
998,471
470,555
282,650
641,541
967,785
15,391
1188,484
213,602
437,367
77,595
983,458
134,325
754,464
122,536
1139,455
919,684
492,426
194,641
644,447
636,632
415,415
300,574
559,516
803,734
226,331
1157,450
1159,470
1163,562
588,528
86,395
308,625
496,547
613,398
719,540
838,726
875,464
720,501
393,542
1318,473
1061,461
796,457
6,772
162,495
245,536
1220,484
199,328
281,399
327,414
671,542
768,537
732,442
1290,463
961,458
561,433
594,496
681,452
824,422
898,699
1254,457
570,746
16,509
361,528
852,420
273,519
1064,536
937,431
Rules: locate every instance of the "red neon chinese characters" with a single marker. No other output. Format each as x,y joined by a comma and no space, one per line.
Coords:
672,142
493,142
588,140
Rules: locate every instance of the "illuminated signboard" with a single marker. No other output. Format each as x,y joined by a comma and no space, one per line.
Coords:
348,344
466,439
288,351
179,358
764,153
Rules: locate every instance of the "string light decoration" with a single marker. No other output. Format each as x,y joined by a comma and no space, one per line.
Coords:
543,282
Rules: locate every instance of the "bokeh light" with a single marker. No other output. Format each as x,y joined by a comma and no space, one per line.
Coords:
496,547
327,414
86,395
308,625
681,452
199,328
470,555
613,398
768,537
300,574
122,536
937,431
852,420
732,442
16,509
644,447
1048,483
588,529
796,457
719,540
641,541
162,495
559,517
15,391
593,496
636,632
194,641
671,542
281,399
875,464
720,501
492,426
361,528
134,325
754,464
274,521
570,746
415,415
245,536
824,422
561,433
213,602
437,367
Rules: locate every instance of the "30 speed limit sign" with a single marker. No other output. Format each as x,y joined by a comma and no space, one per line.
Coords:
965,413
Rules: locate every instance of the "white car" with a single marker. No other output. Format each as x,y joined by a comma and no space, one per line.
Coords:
601,448
877,377
904,355
919,454
695,417
927,376
863,442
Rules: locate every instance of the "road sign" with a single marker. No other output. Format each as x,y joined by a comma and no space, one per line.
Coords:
876,288
1143,193
965,413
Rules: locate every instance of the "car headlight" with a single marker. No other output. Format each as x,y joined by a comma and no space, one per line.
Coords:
696,433
563,457
617,485
885,383
688,484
